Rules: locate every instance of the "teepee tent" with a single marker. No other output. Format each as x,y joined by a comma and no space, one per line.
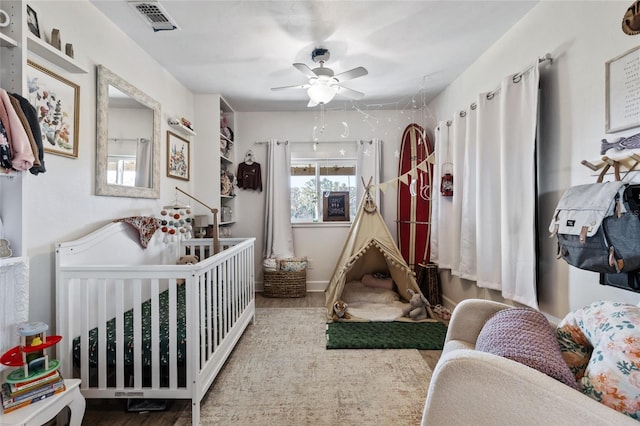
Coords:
369,248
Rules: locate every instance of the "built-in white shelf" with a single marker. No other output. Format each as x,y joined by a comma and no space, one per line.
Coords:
6,41
53,55
12,261
225,159
11,174
183,128
227,223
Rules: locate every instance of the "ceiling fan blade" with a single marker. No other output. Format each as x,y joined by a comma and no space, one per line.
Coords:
304,69
351,74
350,93
311,103
295,86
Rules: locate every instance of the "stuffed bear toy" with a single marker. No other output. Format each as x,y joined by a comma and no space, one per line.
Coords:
418,308
186,260
340,311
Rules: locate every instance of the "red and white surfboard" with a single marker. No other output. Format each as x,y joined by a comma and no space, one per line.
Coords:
414,199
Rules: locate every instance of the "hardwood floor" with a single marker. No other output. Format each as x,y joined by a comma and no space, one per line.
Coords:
113,411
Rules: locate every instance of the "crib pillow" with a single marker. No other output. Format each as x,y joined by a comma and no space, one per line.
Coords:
356,291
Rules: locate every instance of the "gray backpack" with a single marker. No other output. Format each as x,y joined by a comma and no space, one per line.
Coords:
598,228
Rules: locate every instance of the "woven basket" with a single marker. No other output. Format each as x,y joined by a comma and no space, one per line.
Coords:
285,283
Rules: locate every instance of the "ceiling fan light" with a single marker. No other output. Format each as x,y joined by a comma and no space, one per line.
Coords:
322,94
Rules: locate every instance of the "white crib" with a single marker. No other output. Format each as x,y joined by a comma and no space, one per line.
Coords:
150,337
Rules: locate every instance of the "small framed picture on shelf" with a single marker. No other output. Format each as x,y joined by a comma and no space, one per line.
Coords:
178,160
32,22
57,101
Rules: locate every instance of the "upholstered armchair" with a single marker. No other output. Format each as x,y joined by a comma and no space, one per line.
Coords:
471,387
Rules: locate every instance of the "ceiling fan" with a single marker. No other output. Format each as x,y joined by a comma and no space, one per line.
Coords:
323,84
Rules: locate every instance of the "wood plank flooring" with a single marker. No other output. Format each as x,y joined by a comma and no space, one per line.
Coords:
113,411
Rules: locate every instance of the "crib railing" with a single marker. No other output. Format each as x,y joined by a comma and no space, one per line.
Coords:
136,332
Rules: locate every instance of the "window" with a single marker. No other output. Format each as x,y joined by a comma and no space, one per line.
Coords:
121,170
313,179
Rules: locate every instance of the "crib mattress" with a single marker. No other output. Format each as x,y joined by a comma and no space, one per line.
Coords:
112,344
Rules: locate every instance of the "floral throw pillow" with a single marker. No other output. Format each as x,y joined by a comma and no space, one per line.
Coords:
601,345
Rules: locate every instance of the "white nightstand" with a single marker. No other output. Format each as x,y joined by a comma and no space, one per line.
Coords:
41,412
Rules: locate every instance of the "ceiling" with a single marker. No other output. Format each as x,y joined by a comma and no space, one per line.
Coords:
240,49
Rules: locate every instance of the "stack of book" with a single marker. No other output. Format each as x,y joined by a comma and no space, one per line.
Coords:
20,394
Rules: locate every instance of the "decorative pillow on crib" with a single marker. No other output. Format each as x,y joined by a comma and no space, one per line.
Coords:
601,343
525,336
355,291
370,280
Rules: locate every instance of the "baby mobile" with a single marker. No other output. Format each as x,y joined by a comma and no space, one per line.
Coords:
176,222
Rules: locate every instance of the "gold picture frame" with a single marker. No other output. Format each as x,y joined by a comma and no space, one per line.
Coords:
57,103
178,159
335,206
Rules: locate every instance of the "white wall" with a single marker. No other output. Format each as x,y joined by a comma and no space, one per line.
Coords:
321,243
60,204
581,36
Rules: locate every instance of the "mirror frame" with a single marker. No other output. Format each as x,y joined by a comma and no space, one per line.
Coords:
106,78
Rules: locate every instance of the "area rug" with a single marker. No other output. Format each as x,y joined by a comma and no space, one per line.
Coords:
280,373
386,335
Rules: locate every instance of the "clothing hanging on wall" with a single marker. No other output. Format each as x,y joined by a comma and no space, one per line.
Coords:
249,174
21,146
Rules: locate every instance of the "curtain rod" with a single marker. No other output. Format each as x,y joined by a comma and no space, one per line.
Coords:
516,79
318,142
129,139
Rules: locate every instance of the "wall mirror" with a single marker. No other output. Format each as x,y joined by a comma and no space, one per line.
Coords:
128,138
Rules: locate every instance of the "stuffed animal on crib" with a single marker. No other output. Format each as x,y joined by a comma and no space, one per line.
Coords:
189,259
418,308
340,310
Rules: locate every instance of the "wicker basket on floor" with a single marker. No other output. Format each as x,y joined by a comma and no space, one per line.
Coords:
285,283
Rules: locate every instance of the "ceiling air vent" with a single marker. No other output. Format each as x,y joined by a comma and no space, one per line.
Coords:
154,15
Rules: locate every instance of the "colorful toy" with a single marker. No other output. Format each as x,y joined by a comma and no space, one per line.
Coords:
31,354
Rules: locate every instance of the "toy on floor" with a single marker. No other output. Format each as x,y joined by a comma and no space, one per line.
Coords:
442,312
418,308
340,310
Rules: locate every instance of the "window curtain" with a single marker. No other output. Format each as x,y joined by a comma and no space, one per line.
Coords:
368,164
278,241
467,267
486,232
143,163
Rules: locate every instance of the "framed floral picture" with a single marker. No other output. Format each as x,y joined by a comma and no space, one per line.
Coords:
57,102
177,156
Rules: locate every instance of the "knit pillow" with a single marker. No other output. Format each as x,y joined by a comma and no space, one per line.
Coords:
525,336
602,343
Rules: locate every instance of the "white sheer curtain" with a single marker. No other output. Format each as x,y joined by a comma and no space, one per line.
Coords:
278,241
143,163
459,129
368,166
467,267
487,192
519,102
487,230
